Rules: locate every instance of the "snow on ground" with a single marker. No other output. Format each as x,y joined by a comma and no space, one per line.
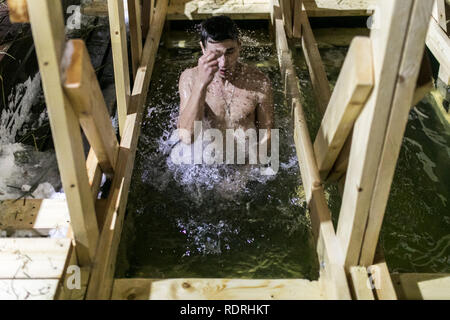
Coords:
23,168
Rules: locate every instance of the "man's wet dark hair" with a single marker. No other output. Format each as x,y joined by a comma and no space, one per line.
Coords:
218,28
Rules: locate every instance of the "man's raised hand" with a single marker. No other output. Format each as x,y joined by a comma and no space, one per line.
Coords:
207,66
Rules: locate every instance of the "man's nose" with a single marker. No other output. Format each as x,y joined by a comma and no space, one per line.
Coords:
222,61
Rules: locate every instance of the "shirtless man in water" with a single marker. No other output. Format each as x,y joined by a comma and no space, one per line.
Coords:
221,90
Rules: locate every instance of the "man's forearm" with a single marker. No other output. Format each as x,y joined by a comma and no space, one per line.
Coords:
192,111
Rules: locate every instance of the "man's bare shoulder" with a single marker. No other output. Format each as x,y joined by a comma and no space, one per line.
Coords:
188,74
256,77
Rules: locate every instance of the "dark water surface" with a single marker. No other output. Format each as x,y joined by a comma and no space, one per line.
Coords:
203,221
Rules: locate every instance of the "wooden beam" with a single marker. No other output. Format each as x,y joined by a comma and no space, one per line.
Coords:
423,86
352,89
287,11
297,24
439,43
33,258
215,289
94,173
85,96
28,289
370,127
439,14
381,280
361,284
101,281
333,280
316,68
134,16
425,82
41,217
422,286
18,11
47,26
120,59
67,288
398,118
444,75
145,16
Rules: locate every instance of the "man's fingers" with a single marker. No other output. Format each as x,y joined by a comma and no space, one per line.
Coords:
212,63
201,46
211,56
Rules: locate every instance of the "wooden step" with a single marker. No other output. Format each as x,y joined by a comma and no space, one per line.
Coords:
31,268
215,289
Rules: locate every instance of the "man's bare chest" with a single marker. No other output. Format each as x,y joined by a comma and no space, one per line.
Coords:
235,105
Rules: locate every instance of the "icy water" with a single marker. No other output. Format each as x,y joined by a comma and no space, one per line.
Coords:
198,221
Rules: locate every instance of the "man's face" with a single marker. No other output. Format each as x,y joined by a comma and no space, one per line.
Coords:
228,52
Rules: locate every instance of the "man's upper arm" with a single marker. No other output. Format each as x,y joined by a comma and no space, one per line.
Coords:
265,106
185,87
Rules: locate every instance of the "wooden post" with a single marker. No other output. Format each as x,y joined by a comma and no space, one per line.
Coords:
85,95
332,275
47,25
403,98
120,59
101,281
287,16
439,14
148,7
316,68
297,24
360,284
387,42
134,16
439,44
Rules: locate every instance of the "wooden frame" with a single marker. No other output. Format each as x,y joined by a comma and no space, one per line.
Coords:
91,228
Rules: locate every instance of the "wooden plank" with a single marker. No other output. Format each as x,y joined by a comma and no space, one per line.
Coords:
120,59
33,258
152,11
333,280
439,15
352,89
83,90
287,16
39,216
316,68
360,283
424,85
94,173
95,8
341,8
100,285
47,25
28,289
73,284
244,9
403,99
439,44
444,75
215,289
381,280
18,11
297,24
341,163
145,16
370,127
425,82
134,16
422,286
